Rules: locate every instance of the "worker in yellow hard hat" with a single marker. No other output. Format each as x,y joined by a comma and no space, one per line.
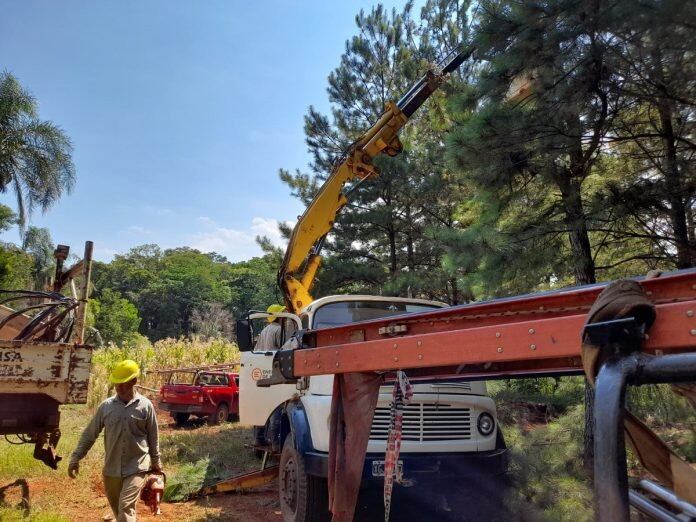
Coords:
271,337
131,441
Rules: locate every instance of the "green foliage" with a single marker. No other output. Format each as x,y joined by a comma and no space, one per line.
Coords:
7,218
385,240
252,284
548,479
16,267
557,394
167,287
115,318
38,244
186,482
35,155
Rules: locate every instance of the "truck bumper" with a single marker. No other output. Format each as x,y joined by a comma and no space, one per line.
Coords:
422,467
194,409
418,467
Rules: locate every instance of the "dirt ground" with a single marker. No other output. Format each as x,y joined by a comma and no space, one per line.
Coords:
259,506
84,500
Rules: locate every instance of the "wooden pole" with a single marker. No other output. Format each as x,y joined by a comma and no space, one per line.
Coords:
84,293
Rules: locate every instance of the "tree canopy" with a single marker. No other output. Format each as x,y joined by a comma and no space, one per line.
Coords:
35,155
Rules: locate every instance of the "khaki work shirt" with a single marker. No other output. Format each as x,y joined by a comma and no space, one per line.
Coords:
270,337
131,437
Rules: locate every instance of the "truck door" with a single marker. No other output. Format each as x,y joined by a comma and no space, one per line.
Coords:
256,404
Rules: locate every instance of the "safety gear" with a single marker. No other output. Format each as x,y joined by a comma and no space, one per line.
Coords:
124,371
274,309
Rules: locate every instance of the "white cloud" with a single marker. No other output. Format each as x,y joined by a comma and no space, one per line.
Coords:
236,244
269,228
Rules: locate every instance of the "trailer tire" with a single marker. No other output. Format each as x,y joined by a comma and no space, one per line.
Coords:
303,497
180,418
220,415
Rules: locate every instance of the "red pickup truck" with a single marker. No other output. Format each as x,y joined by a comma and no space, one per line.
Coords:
211,394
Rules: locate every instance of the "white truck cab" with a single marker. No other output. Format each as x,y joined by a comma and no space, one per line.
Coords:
444,420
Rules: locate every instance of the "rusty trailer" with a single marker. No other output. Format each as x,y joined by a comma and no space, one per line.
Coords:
43,361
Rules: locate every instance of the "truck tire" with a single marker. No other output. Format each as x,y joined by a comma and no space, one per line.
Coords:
219,416
303,497
180,418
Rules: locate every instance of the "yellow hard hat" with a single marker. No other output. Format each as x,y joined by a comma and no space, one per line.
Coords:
124,371
274,309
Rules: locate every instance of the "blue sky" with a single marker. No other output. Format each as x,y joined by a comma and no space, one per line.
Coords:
180,112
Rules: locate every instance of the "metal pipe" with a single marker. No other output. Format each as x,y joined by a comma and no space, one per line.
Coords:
650,508
610,475
664,369
669,497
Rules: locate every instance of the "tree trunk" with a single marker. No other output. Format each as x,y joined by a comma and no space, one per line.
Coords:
410,250
392,249
454,300
583,264
584,271
674,189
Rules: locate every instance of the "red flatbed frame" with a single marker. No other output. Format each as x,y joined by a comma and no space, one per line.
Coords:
520,336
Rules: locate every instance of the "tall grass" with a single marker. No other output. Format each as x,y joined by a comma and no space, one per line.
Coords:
167,353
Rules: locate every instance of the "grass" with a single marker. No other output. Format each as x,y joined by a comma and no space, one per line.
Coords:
192,456
16,515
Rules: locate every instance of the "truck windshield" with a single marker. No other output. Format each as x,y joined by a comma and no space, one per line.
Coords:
211,379
337,314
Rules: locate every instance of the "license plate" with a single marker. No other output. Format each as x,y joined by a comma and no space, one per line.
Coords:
378,468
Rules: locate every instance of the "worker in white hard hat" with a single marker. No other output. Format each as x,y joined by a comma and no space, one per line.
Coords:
271,337
131,442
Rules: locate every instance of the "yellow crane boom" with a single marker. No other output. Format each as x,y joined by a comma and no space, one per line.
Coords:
303,255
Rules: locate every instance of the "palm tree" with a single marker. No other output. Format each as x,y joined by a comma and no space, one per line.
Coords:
35,155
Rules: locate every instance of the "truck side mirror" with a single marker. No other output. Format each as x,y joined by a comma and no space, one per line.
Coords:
245,337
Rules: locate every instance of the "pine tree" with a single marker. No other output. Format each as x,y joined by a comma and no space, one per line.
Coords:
384,241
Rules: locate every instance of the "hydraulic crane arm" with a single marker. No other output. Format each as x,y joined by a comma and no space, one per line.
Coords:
302,257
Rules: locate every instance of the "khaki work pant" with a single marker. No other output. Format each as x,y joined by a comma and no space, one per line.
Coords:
123,493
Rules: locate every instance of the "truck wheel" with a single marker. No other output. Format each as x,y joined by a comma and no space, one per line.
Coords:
303,498
180,418
219,416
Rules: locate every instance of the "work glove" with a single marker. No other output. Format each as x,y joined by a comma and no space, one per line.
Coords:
73,469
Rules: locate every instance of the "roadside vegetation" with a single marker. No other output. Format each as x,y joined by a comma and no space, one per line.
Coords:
543,421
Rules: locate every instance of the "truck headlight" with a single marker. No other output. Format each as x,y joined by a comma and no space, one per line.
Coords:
485,424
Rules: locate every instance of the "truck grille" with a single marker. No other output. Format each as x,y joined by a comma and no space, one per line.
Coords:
425,422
